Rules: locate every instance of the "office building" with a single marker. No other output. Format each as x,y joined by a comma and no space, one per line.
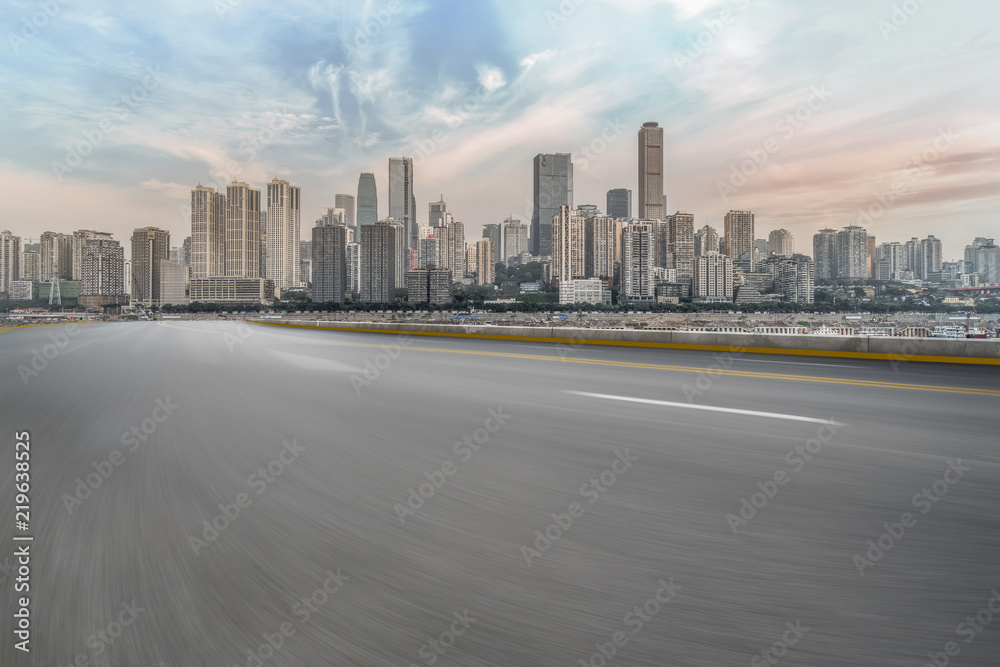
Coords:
102,273
637,270
713,278
652,203
243,245
706,240
173,283
378,258
780,243
284,203
619,203
401,199
347,204
232,291
584,290
208,232
515,239
149,246
739,231
430,286
329,263
552,188
436,211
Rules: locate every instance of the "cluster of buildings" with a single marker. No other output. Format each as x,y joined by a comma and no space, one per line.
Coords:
245,247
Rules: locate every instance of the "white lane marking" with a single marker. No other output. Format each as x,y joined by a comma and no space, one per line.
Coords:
691,406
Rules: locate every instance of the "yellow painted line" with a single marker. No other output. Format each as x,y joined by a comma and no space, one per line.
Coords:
48,324
660,367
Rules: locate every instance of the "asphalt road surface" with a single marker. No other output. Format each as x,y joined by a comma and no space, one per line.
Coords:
383,501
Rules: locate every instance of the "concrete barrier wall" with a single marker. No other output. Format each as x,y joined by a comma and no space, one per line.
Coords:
947,350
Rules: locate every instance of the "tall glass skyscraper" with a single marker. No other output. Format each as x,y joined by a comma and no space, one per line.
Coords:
620,203
553,187
367,200
346,202
401,199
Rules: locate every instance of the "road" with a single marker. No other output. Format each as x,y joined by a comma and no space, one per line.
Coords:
386,501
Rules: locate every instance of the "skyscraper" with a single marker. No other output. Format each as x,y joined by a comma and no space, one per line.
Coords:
638,249
680,244
793,277
149,246
456,248
851,253
568,244
353,253
346,202
485,274
79,238
930,249
329,262
242,231
57,255
31,266
102,266
619,203
401,198
739,233
494,232
824,254
599,246
515,239
367,199
652,204
713,277
402,256
436,211
378,263
208,232
706,240
781,243
10,260
553,187
283,234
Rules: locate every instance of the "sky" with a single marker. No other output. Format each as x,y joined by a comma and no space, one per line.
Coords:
812,115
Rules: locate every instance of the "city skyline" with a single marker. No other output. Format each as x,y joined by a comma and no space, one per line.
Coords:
319,114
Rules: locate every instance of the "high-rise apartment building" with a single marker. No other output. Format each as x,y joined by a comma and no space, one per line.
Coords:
347,203
930,250
353,259
456,248
57,255
982,258
793,277
329,263
401,198
486,270
400,247
552,187
599,247
824,254
243,246
515,239
367,200
652,203
780,243
208,232
149,246
706,240
568,245
102,273
173,283
739,231
713,277
851,253
637,270
494,231
680,244
79,238
31,265
619,203
378,262
10,260
431,286
284,203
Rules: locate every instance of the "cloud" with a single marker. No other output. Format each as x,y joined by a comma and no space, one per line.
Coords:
491,78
